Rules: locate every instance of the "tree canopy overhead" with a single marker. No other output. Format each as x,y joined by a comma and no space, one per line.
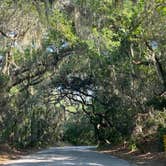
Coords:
92,63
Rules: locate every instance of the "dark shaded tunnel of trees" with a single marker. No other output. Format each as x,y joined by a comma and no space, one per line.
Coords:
83,72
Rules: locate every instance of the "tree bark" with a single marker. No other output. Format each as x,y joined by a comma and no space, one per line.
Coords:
159,70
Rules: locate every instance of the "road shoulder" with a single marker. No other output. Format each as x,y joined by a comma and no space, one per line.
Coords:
136,157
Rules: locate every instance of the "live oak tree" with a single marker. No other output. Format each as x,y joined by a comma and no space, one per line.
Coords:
100,61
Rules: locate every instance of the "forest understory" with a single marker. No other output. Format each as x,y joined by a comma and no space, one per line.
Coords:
84,72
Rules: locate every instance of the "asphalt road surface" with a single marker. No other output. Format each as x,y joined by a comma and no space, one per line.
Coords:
69,156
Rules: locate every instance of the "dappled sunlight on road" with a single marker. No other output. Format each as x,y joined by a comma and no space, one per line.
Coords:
68,156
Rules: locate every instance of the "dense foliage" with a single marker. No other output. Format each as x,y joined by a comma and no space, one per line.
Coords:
82,71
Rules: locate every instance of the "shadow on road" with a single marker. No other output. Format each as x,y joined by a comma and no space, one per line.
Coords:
69,156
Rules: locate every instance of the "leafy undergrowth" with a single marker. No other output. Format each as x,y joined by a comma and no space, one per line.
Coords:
136,157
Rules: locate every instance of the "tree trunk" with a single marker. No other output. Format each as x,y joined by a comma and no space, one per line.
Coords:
159,70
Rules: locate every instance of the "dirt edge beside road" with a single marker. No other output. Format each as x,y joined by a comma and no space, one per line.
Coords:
136,157
8,153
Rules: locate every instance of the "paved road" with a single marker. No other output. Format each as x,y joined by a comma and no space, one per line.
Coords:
68,156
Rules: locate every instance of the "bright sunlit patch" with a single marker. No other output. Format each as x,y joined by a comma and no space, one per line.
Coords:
69,163
95,164
39,160
23,161
61,158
